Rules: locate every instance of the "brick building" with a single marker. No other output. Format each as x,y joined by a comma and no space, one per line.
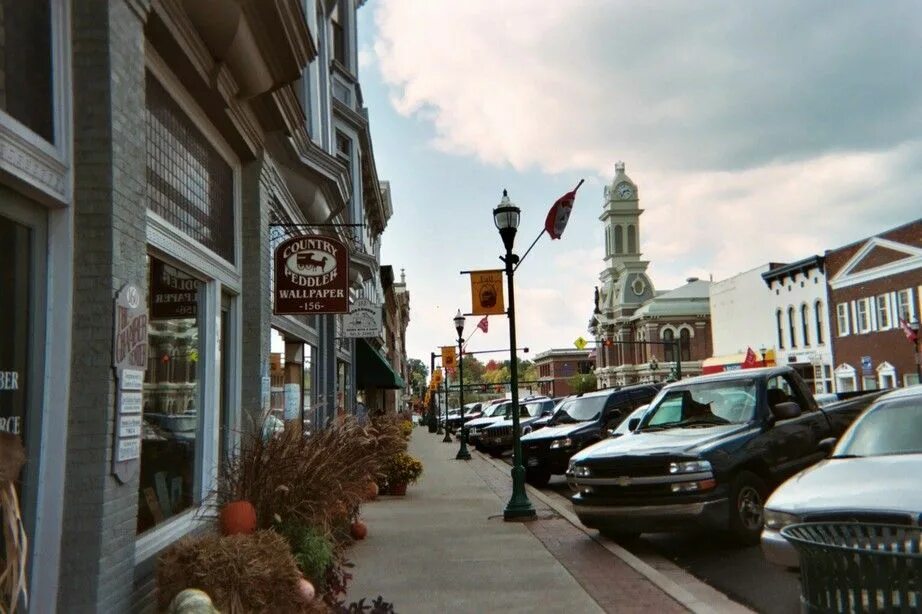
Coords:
556,367
169,147
874,284
642,334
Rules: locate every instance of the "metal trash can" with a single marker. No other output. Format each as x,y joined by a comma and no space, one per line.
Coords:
858,567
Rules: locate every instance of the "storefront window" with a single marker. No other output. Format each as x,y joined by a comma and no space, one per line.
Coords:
171,396
25,64
14,326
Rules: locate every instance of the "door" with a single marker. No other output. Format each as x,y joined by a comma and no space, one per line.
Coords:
793,443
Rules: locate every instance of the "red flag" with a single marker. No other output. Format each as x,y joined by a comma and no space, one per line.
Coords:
483,324
750,360
907,330
559,214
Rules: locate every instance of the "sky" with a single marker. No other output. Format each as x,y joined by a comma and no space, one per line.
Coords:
755,131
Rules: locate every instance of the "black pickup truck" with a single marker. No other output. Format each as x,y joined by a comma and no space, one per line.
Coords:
708,452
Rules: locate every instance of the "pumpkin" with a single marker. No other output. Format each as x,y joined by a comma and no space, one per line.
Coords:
371,491
192,601
358,530
307,590
238,517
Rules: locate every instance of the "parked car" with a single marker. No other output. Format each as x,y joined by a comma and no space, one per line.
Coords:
497,437
625,427
872,475
543,421
579,421
491,413
454,416
708,453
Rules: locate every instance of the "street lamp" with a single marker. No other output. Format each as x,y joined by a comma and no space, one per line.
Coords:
506,217
463,454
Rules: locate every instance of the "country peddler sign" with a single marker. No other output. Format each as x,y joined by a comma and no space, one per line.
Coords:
311,276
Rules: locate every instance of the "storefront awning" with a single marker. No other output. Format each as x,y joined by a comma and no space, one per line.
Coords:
372,370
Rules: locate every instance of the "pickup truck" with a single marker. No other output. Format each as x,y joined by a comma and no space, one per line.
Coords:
707,452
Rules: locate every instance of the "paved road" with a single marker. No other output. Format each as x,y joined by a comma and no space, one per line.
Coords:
741,573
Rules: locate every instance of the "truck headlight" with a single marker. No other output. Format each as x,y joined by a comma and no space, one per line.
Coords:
565,442
579,471
697,466
776,521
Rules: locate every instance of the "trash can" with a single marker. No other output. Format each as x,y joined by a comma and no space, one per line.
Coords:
858,567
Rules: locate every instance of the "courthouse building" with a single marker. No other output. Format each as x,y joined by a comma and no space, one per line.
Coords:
155,153
641,334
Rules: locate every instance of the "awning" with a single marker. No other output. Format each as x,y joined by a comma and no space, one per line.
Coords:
372,370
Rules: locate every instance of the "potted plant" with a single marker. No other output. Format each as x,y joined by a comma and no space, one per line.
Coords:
401,470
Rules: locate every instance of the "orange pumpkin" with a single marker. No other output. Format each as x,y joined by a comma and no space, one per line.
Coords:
238,517
358,529
371,491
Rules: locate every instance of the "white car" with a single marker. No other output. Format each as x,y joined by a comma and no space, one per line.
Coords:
872,475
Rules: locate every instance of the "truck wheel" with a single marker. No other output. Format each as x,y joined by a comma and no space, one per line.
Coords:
747,498
537,476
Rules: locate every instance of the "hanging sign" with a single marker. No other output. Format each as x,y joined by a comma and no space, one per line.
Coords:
363,320
129,358
487,292
311,276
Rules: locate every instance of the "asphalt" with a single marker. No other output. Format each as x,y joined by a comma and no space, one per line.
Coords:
444,547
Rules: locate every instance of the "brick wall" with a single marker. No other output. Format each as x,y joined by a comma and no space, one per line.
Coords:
97,554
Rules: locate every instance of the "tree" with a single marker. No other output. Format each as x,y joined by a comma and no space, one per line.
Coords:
418,374
582,383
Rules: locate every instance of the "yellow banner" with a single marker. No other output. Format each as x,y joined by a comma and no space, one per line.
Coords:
448,356
487,292
437,376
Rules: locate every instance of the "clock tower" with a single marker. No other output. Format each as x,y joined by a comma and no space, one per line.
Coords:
624,279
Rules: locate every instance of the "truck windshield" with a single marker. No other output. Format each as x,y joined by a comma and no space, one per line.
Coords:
699,405
580,409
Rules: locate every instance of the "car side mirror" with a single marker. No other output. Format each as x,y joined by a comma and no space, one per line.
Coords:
826,445
632,424
786,410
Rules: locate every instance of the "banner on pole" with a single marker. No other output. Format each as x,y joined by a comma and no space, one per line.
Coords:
449,358
487,292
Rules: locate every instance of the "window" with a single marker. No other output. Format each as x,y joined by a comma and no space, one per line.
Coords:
669,348
338,23
685,343
171,431
818,315
883,312
803,325
780,328
886,375
904,306
26,71
842,318
619,240
845,378
631,239
863,315
189,184
791,327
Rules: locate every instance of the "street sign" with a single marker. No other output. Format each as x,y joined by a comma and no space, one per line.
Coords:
580,343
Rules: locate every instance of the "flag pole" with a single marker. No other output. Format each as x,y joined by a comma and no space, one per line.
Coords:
529,249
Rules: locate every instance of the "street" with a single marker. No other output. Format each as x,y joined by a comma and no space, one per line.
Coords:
741,573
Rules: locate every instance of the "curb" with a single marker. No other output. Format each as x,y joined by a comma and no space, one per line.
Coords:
657,578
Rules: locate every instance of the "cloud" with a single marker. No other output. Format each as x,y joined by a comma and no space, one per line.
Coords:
756,131
670,85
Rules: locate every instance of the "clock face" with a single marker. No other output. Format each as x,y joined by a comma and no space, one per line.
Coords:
624,190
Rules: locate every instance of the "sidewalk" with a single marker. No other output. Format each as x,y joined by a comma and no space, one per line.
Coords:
445,548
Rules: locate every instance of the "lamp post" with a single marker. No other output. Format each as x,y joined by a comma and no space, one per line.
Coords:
463,454
506,217
433,418
447,438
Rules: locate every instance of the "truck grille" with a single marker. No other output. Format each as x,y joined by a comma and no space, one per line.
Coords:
499,431
630,466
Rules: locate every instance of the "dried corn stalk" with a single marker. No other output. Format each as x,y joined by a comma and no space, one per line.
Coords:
13,577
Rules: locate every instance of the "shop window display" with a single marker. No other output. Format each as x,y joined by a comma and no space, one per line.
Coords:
171,396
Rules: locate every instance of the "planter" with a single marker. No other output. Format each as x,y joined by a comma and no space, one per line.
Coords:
398,490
